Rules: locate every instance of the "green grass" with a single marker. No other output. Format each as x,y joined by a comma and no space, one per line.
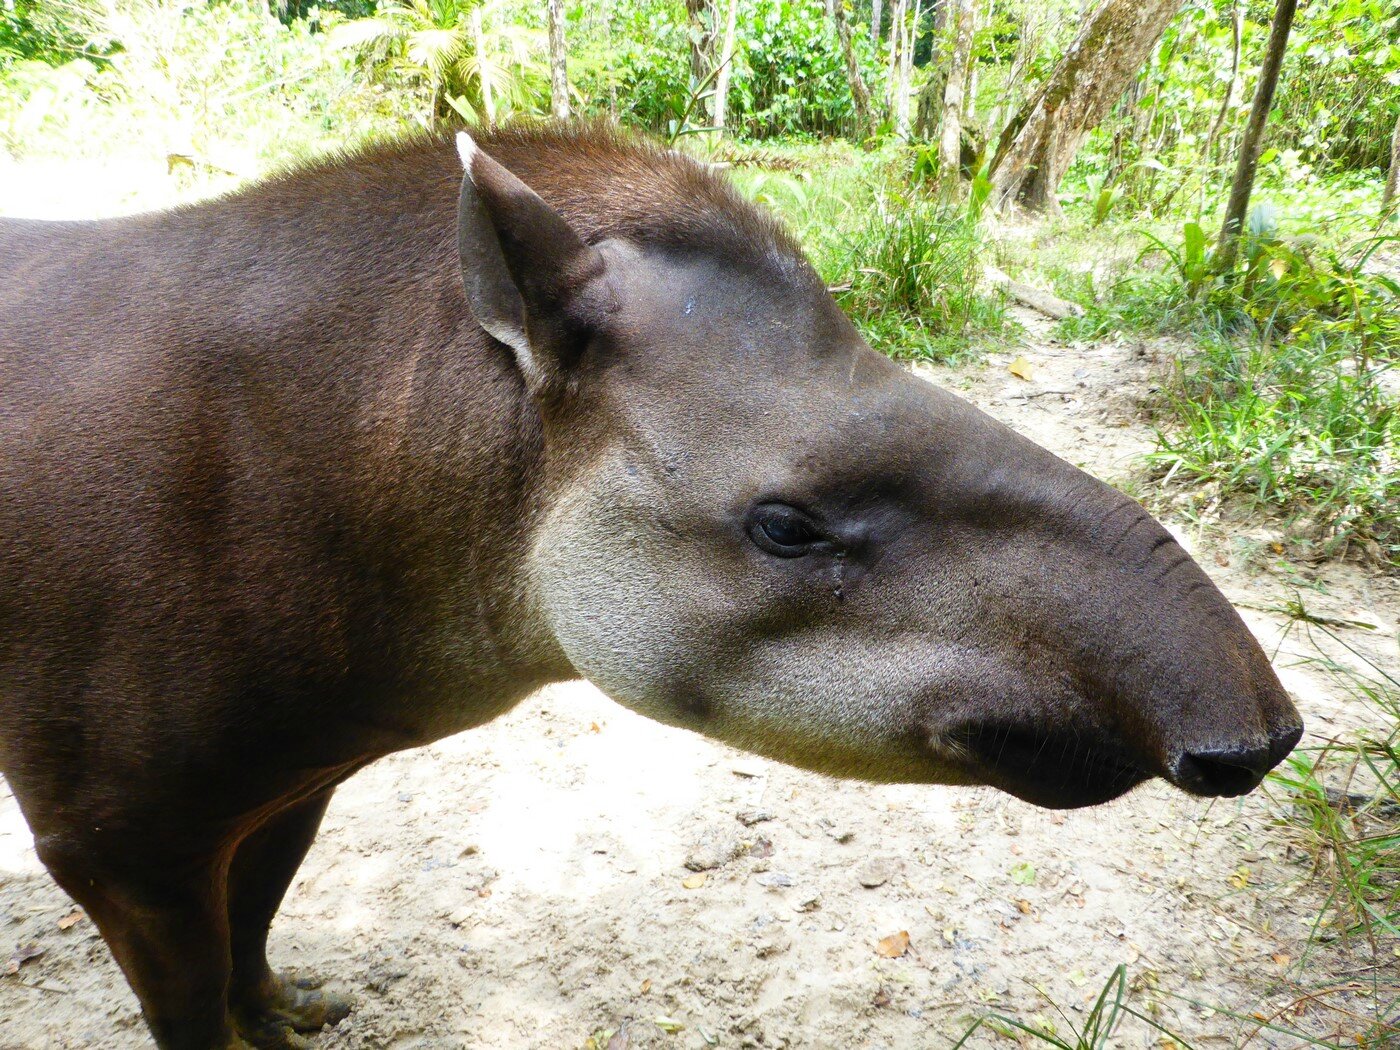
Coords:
1294,426
1344,796
1104,1019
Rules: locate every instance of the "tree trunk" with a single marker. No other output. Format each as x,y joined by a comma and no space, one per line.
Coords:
1243,183
892,66
969,104
1041,140
558,62
959,51
928,107
478,31
860,94
1392,182
875,21
904,71
726,60
702,21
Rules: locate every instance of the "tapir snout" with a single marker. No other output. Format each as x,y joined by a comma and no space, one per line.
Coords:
1117,658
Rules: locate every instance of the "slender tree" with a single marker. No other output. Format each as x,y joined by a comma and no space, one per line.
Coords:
897,10
1392,182
903,72
702,21
478,33
860,94
875,21
969,106
1237,37
959,51
1243,183
558,62
1040,141
726,63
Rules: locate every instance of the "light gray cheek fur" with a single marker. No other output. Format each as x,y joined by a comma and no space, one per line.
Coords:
639,612
607,595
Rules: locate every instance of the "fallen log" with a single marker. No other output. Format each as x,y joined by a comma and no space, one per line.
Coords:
1041,301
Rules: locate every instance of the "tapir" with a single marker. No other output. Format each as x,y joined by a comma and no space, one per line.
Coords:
361,455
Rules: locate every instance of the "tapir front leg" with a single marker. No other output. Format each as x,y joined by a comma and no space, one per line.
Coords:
269,1008
166,920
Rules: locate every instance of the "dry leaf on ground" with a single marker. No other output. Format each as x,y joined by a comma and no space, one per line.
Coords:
893,946
71,919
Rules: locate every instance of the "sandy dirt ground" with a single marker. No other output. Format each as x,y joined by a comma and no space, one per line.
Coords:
526,885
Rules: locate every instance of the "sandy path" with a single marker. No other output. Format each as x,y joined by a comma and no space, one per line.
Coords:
521,885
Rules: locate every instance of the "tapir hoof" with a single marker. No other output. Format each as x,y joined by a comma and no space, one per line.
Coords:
305,1006
266,1032
290,1006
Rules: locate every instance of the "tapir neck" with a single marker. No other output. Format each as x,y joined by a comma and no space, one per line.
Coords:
309,462
457,480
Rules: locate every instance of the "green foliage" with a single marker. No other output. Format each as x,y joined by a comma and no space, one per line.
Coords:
1294,426
35,31
909,275
905,266
464,56
193,93
1095,1032
1344,805
789,76
1345,796
636,66
1174,139
1288,398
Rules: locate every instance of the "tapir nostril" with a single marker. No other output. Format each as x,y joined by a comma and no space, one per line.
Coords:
1227,771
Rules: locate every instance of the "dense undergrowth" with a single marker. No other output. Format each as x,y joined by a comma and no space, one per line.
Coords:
905,264
1288,396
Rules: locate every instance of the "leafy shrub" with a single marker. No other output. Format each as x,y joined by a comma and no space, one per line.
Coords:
210,92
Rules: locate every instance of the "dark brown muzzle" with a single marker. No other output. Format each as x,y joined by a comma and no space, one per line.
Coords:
1130,663
1187,679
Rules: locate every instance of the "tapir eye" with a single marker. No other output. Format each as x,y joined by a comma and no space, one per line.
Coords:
782,530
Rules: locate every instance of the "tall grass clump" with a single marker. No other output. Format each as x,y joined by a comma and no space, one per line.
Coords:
1344,797
1095,1032
909,276
903,263
1297,426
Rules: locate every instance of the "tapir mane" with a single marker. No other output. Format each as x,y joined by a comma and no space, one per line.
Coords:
606,181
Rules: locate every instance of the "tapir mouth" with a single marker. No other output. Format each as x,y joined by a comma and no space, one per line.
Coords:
1058,769
1072,767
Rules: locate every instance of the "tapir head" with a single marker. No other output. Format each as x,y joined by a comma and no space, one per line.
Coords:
757,527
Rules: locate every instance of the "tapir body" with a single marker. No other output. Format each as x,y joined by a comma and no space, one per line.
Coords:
362,455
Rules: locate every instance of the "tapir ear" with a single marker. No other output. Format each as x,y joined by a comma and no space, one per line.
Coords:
527,274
